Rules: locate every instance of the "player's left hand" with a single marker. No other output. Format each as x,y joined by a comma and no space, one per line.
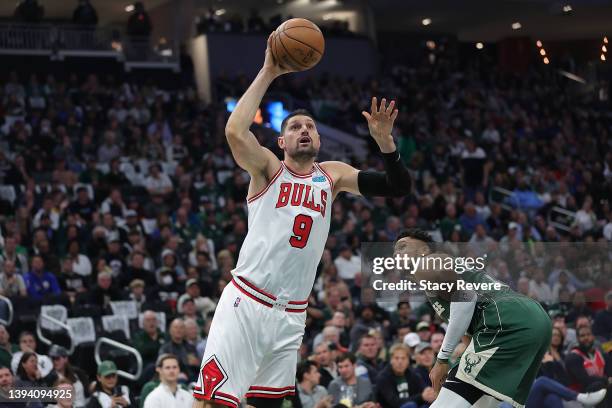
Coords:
380,122
437,375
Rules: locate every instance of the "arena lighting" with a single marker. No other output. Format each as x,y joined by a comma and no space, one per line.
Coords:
567,8
426,21
542,52
603,57
539,44
129,8
479,45
605,40
546,61
431,44
220,12
604,49
516,25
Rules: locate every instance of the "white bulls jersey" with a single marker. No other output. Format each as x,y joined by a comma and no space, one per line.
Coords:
288,227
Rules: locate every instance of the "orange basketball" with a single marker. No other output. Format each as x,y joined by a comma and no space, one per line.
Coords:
298,44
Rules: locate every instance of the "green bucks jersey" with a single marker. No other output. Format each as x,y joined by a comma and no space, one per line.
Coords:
482,286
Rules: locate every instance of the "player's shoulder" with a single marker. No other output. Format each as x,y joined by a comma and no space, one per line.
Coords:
337,169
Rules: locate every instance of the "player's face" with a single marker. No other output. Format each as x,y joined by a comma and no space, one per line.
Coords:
300,139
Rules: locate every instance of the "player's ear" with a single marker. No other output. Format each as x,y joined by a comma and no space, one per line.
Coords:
281,142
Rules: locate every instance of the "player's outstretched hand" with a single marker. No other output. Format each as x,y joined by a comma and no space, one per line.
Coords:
270,63
380,121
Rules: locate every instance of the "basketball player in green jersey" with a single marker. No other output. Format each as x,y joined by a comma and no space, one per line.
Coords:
510,334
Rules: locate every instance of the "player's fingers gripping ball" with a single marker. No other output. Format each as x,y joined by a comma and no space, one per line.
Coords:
298,44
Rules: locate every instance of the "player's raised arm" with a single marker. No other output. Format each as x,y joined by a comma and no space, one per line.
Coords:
247,151
395,180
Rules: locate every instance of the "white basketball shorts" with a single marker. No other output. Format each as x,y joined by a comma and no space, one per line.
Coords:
252,347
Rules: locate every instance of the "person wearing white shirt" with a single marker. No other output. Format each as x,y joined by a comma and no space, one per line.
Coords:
168,394
27,342
347,263
539,286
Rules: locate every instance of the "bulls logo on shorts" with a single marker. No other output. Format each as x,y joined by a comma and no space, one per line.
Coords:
213,377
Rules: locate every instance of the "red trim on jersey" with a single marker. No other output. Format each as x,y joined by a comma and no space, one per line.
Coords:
251,296
235,402
296,174
262,192
331,181
257,388
255,288
270,300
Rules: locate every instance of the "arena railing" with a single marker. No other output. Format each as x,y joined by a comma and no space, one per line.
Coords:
131,350
60,40
48,342
561,218
9,305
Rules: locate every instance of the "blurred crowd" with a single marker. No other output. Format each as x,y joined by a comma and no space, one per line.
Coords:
113,191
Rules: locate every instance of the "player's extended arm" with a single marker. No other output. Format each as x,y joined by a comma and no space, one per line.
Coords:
247,151
395,180
461,311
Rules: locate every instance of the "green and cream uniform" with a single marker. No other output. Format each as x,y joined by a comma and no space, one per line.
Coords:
510,334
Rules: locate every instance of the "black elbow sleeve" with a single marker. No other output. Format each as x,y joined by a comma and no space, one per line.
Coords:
394,182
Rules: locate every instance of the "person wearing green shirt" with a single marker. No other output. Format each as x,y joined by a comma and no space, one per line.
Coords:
6,348
148,340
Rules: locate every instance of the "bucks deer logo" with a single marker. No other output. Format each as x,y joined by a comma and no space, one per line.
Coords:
471,363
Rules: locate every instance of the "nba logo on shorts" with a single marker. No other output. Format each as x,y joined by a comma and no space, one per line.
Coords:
237,302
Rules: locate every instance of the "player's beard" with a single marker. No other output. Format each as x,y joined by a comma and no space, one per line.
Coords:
302,154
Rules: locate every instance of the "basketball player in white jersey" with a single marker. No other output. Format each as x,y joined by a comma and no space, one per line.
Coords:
252,348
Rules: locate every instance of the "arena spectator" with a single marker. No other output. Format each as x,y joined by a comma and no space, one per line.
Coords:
398,385
204,305
65,371
64,399
11,282
311,394
423,329
104,291
325,356
7,383
424,358
347,263
29,375
168,393
587,366
436,342
193,335
348,388
12,252
107,392
602,325
39,282
366,322
6,347
185,352
149,340
27,344
368,362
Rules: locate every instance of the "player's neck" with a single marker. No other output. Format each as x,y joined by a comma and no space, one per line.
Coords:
299,166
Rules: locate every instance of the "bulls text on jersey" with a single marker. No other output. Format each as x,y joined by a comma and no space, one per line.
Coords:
298,194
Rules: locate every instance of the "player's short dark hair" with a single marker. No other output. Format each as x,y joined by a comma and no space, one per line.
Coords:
297,112
303,368
346,356
418,234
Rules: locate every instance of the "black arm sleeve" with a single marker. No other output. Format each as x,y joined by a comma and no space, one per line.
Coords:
394,182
